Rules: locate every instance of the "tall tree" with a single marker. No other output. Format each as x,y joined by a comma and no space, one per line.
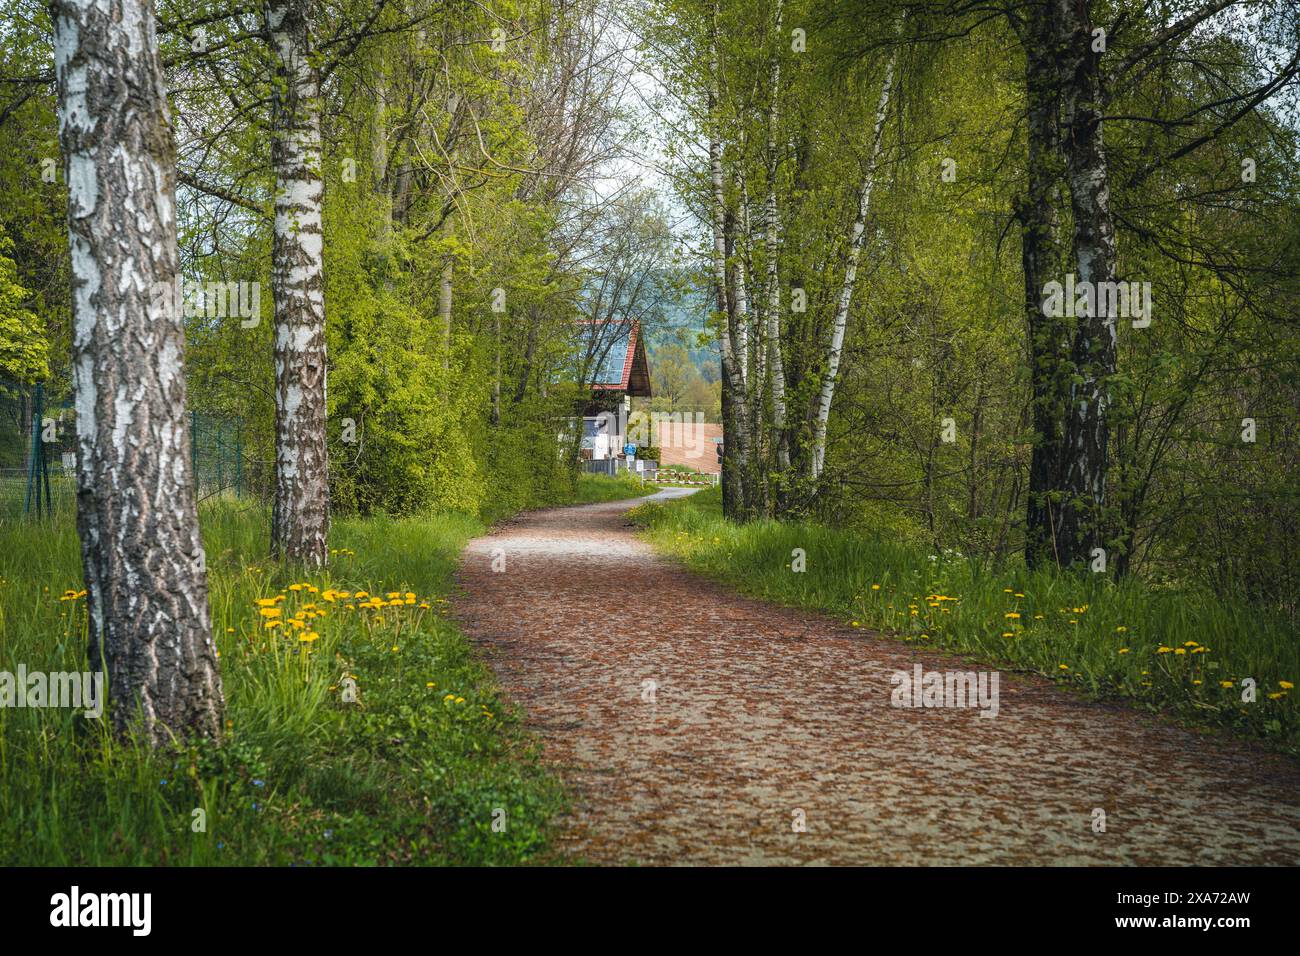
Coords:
150,625
835,347
1093,358
300,511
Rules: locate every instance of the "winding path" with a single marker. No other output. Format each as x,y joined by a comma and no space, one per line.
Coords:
758,712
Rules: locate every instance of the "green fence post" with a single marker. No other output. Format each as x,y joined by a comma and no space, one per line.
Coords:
194,449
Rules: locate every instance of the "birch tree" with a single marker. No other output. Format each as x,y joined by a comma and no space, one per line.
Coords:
1093,356
735,406
772,242
300,511
146,586
822,409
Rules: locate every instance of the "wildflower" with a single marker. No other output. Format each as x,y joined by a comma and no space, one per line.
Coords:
1008,634
1062,667
269,612
272,624
1012,614
1121,629
1123,650
1225,683
1163,650
309,637
295,587
875,587
1285,684
1180,650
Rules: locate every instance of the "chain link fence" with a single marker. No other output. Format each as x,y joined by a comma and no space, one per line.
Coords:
38,453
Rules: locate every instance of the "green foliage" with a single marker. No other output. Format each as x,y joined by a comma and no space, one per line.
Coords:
23,347
1166,649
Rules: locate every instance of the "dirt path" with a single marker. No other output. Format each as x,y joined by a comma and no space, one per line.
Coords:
759,712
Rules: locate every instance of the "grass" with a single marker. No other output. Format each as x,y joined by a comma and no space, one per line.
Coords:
592,489
1181,652
428,765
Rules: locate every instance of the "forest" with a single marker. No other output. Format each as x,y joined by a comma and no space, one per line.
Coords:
298,299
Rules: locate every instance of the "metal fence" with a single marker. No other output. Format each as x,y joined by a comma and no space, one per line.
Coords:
38,453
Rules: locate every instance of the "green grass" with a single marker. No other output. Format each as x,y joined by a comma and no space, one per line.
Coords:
1166,650
593,489
417,770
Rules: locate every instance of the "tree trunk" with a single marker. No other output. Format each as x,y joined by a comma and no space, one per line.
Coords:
444,308
735,417
1094,352
300,515
772,241
146,586
823,407
1041,259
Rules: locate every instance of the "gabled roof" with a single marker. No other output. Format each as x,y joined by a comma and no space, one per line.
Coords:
625,367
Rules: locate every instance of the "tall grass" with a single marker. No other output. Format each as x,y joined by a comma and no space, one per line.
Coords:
418,769
1181,651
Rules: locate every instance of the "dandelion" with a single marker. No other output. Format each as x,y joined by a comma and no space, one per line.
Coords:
1013,614
1285,684
1123,650
309,637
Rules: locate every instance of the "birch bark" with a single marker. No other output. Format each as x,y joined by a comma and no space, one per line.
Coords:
817,459
146,585
300,511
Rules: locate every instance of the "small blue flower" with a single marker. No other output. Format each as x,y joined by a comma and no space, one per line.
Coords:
259,783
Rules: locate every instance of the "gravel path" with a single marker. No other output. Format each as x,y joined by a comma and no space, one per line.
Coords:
760,717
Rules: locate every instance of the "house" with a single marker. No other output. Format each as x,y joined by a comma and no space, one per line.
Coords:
615,355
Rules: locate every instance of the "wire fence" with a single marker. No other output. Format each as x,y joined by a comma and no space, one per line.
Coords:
38,453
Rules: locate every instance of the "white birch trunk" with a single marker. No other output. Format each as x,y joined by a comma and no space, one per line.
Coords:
772,241
818,458
146,585
300,514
